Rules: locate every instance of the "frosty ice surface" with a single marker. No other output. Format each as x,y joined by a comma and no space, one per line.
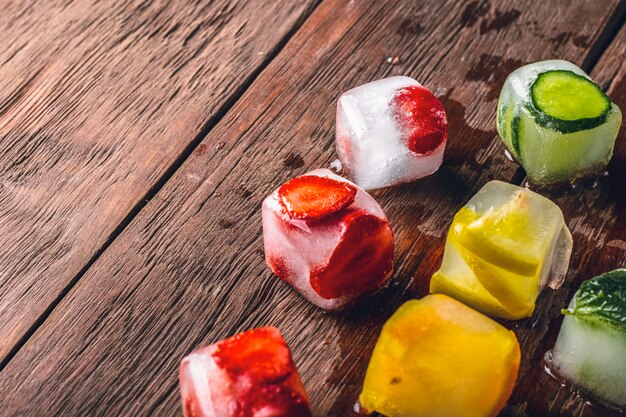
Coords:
502,248
556,122
327,238
591,348
436,357
390,131
248,375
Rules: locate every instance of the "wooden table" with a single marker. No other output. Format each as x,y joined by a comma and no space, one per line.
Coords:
138,139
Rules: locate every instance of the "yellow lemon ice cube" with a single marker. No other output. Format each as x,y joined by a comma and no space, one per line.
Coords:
502,248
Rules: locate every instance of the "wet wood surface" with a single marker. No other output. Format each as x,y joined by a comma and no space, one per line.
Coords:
104,330
595,212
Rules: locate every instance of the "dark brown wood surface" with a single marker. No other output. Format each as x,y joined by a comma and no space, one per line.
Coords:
595,212
189,269
98,101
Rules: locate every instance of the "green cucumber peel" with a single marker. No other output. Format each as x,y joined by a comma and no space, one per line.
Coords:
515,134
567,102
602,300
508,126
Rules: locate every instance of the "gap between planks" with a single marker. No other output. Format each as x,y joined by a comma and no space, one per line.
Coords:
160,183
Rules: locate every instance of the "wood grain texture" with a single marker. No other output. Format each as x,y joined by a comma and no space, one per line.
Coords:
189,269
596,214
97,101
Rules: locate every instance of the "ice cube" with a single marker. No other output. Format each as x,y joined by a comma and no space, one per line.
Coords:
556,122
503,247
436,357
327,238
590,350
250,374
390,131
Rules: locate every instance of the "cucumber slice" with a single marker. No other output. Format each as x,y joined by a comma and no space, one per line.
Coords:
568,102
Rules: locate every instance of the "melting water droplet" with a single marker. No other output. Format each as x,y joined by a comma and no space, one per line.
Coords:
590,183
359,409
440,91
220,145
600,407
548,367
508,155
393,60
336,166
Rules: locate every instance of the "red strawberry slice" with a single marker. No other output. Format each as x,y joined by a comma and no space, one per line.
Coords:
191,406
274,400
422,118
279,267
310,197
361,261
272,384
261,354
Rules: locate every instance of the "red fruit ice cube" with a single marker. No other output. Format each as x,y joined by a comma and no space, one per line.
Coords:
251,374
331,259
390,131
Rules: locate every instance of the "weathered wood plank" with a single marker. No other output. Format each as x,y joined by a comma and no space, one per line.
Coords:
97,101
596,215
189,269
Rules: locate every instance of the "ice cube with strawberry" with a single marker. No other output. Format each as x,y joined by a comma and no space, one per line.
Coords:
251,374
328,238
390,131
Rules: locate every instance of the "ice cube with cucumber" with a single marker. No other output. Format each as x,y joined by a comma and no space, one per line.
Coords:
556,122
590,350
503,247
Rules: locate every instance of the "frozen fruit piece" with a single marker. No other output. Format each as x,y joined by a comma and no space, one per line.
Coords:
422,118
591,347
436,357
390,131
365,241
502,248
556,122
313,197
248,375
332,258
